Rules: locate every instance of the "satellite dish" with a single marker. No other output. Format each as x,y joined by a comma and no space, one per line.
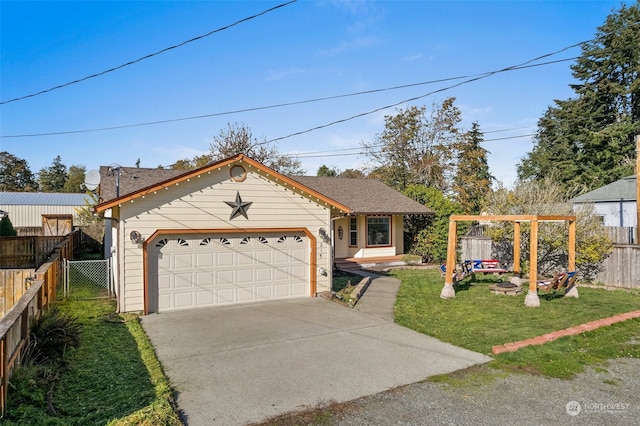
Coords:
92,179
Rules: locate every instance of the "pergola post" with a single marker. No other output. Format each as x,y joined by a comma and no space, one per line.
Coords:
516,249
573,292
532,300
448,291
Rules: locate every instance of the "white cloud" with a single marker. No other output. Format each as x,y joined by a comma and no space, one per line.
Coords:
280,74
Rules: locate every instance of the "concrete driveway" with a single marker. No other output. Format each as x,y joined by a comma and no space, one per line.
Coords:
242,364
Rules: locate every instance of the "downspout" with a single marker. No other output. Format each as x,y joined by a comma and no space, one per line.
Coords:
621,212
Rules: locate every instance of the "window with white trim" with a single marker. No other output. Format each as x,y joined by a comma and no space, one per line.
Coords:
353,231
378,231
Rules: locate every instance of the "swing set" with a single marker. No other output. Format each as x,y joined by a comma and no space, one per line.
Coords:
531,298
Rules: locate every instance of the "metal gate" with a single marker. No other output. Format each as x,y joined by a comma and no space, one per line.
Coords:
88,279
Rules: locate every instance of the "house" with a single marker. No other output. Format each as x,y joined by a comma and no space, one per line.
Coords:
616,203
235,231
42,213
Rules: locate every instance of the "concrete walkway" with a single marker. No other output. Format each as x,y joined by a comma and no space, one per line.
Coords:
380,297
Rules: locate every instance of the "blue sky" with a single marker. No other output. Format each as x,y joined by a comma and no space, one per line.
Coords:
305,50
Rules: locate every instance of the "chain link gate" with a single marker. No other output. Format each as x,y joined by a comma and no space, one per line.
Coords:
88,279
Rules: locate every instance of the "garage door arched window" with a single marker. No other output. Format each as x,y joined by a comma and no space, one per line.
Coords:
378,231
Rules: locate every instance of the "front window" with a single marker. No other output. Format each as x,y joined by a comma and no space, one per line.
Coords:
378,231
353,231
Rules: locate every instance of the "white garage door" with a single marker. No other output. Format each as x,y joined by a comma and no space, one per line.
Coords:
188,271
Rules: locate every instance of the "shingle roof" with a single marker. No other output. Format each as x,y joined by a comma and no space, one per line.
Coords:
131,179
623,189
41,199
364,196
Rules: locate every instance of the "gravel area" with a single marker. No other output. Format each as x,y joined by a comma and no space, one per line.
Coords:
607,395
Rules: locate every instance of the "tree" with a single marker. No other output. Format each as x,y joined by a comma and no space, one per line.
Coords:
416,148
431,233
588,141
6,227
472,181
352,173
194,163
53,178
75,179
326,171
238,139
546,197
15,175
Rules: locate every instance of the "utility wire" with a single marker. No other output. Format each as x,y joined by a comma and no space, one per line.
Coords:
151,55
482,76
334,153
272,106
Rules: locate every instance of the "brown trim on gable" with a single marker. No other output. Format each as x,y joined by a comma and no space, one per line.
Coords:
270,173
313,252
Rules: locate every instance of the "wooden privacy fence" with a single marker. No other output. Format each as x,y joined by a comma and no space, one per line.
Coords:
622,267
33,251
622,234
13,284
15,325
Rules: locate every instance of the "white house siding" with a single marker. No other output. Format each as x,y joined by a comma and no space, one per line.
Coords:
611,213
200,204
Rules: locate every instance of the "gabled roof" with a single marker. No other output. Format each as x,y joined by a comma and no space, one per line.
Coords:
351,196
42,199
623,189
364,196
131,179
138,188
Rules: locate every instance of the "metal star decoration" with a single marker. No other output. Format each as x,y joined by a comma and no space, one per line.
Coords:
239,207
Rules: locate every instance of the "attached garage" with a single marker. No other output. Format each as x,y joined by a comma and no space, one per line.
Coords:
222,268
236,231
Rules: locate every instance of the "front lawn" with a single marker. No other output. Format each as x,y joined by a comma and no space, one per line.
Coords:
478,320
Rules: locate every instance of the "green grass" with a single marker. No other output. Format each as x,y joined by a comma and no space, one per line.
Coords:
341,279
478,320
112,377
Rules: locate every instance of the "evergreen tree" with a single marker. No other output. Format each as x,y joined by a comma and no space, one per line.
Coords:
588,141
15,175
472,181
6,227
75,179
324,170
53,178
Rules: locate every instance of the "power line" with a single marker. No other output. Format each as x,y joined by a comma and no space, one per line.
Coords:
272,106
480,77
341,152
151,55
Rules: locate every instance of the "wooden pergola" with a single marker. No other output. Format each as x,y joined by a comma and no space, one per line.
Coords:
532,296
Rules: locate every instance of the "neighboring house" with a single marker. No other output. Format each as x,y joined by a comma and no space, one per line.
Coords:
236,231
52,213
616,203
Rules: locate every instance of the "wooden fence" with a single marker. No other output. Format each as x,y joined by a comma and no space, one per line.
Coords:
622,267
13,284
622,234
32,251
39,292
15,325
